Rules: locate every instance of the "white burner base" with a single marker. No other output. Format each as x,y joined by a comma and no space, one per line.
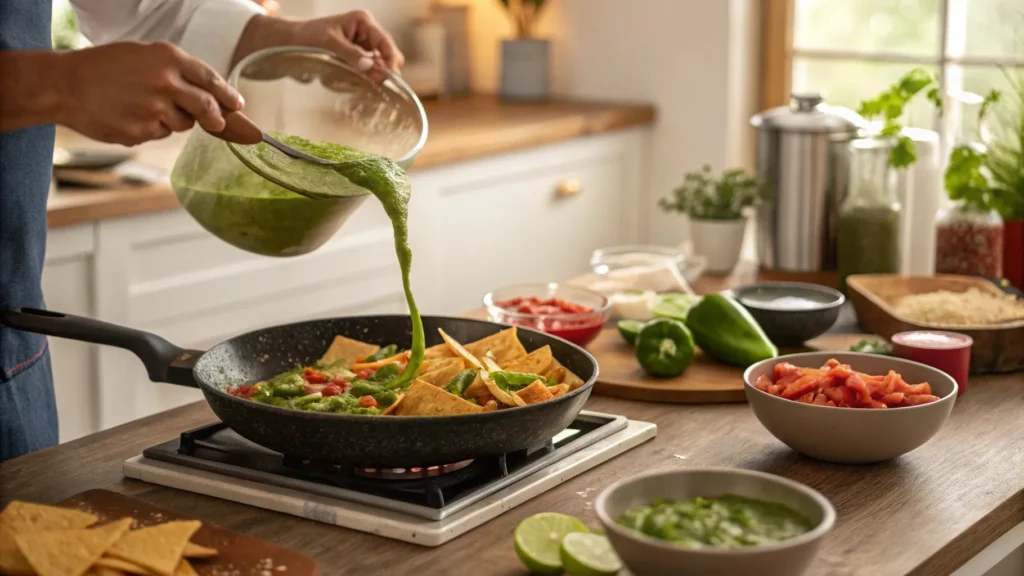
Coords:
387,523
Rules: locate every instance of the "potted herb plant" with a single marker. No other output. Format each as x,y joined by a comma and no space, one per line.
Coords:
982,232
1004,160
716,210
525,59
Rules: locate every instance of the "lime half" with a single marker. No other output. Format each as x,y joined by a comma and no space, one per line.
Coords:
539,540
589,555
630,329
674,305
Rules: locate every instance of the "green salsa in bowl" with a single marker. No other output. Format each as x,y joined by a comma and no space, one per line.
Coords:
714,521
250,212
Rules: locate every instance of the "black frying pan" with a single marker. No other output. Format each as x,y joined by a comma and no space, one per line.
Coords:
377,441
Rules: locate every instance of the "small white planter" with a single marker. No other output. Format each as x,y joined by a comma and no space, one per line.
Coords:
720,241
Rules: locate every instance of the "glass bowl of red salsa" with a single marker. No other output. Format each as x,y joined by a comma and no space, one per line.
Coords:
569,312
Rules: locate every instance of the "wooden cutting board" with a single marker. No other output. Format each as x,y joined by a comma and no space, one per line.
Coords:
704,382
239,555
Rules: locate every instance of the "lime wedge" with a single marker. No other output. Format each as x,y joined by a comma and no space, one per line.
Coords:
539,539
630,329
673,305
589,555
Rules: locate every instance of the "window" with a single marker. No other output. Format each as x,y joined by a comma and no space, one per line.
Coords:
849,50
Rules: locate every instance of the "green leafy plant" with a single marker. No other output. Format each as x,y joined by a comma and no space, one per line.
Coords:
704,197
524,15
64,30
891,105
1004,157
990,175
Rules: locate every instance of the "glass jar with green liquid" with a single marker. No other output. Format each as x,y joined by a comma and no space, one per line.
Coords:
868,240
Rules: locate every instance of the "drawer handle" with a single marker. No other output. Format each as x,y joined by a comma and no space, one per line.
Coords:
568,188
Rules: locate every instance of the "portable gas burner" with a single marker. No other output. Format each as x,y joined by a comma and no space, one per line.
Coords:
426,505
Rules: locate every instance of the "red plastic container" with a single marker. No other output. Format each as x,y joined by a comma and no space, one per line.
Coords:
1013,252
946,351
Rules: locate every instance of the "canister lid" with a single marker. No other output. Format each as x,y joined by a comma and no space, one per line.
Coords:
809,113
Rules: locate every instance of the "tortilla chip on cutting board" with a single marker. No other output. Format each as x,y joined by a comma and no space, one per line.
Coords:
68,552
123,566
20,517
536,392
157,548
424,399
193,550
349,350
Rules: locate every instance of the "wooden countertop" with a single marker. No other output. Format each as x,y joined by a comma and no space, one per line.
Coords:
923,514
460,129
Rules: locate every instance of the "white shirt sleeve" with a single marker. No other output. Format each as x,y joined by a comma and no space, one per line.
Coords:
206,29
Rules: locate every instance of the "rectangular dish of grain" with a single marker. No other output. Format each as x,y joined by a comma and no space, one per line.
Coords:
889,303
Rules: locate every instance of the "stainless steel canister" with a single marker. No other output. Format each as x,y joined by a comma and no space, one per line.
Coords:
802,158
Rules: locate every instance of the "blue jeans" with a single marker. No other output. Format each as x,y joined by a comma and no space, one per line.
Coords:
28,409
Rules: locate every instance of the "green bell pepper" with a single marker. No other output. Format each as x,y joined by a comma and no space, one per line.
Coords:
727,332
458,384
385,352
664,347
386,373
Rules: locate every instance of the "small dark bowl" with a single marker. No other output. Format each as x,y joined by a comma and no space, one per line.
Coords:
791,326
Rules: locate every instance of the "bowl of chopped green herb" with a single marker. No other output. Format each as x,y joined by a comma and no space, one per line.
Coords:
714,521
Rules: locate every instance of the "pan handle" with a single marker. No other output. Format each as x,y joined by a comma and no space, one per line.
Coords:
164,361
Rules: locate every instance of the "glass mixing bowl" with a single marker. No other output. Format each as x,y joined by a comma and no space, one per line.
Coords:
244,195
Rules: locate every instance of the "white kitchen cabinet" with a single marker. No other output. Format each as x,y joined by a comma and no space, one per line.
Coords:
474,226
68,287
532,216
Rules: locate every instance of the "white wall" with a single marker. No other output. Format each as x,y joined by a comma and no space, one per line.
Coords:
696,60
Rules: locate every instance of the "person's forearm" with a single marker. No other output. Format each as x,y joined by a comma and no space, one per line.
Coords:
29,89
263,32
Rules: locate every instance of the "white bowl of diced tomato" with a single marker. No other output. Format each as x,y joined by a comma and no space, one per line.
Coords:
847,407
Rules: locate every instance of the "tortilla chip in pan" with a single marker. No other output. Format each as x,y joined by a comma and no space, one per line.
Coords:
504,346
560,390
562,375
491,405
535,362
439,351
478,391
556,374
438,363
441,376
349,350
536,392
424,399
460,350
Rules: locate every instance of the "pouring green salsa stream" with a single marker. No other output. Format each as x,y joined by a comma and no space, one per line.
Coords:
380,176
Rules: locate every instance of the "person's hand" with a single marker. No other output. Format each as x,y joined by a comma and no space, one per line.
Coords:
356,37
129,93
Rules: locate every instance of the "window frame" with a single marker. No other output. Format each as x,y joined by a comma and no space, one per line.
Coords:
779,52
